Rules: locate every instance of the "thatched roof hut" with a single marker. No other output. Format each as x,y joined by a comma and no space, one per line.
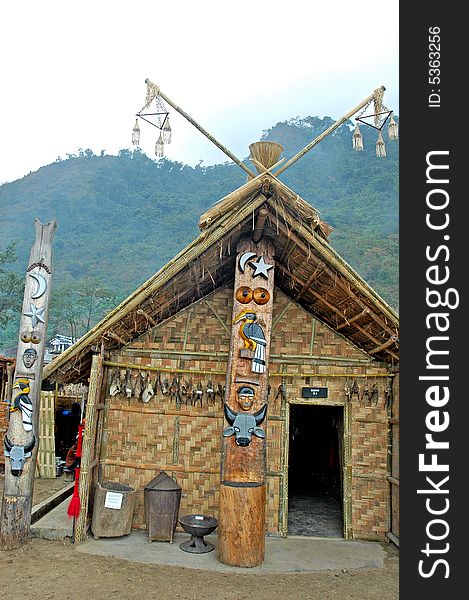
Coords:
330,330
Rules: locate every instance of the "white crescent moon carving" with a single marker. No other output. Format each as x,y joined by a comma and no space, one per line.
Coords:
41,285
244,259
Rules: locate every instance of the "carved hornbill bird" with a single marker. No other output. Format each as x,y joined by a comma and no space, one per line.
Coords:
23,403
253,337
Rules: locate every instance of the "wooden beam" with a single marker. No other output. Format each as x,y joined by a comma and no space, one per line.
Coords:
116,337
386,344
317,271
364,312
260,222
87,451
195,279
148,317
217,317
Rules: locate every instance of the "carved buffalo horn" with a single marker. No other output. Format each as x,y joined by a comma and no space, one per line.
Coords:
229,414
30,446
260,414
9,445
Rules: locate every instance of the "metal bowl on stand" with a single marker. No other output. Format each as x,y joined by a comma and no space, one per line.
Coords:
198,526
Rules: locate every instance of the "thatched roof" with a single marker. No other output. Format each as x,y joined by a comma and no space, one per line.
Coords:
308,270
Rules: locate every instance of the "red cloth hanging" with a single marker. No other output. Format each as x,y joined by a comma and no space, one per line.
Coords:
74,506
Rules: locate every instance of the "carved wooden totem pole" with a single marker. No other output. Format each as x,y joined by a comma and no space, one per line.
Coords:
20,442
241,530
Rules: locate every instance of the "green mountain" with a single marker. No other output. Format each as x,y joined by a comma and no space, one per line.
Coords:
120,218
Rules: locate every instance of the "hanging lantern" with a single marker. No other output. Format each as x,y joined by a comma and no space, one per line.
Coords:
380,147
393,130
357,139
136,134
167,132
159,146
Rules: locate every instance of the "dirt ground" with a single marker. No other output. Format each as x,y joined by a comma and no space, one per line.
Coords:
54,570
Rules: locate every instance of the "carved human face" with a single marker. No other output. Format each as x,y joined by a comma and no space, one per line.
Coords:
29,357
245,397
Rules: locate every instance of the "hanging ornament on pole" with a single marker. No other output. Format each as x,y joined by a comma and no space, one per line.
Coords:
154,111
357,138
136,134
159,146
393,130
380,146
377,120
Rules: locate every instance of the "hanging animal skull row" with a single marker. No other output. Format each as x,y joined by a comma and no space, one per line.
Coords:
144,386
369,397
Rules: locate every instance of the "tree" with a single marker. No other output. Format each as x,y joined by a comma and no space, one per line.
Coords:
94,300
11,286
76,308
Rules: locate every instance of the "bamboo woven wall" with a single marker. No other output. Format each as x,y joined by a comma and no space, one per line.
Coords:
140,439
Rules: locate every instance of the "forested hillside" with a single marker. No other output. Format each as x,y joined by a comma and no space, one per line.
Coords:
120,218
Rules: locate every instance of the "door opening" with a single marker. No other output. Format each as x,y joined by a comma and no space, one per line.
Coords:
315,494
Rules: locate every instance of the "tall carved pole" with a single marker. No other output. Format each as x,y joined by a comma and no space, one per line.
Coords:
20,441
241,529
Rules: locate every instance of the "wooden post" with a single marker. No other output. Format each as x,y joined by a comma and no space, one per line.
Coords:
241,529
87,450
21,439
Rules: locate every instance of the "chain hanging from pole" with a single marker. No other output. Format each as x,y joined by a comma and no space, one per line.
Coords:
154,111
377,120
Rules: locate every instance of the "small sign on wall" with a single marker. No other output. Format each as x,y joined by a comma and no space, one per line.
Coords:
113,500
314,392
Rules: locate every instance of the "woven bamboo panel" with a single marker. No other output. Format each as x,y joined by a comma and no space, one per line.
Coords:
369,501
205,332
274,440
292,333
139,438
200,442
369,452
46,451
272,504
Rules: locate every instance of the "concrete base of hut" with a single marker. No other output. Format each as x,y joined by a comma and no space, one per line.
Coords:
282,555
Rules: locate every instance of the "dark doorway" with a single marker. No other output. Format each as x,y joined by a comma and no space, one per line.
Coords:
315,471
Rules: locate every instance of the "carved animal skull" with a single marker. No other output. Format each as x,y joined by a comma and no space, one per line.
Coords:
17,455
244,425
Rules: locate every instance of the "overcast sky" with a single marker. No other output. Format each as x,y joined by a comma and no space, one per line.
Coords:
73,72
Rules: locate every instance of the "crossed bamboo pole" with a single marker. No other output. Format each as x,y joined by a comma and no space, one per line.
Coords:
289,162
